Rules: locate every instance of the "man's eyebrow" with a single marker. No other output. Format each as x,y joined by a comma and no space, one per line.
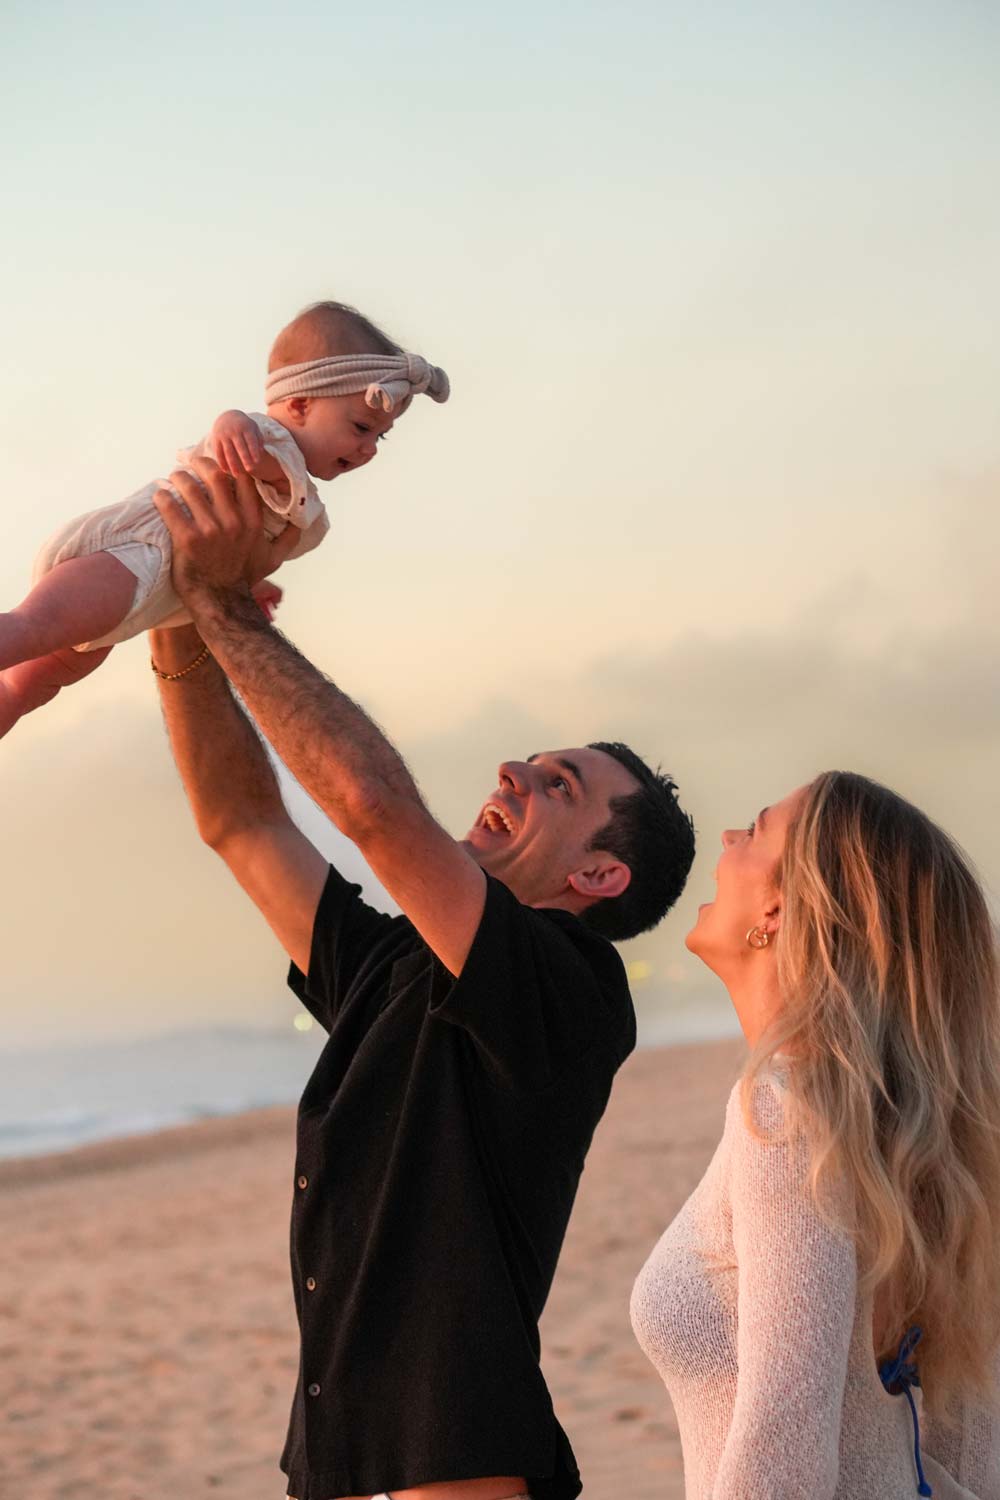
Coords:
565,765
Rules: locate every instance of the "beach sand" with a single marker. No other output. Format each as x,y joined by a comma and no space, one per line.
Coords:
147,1342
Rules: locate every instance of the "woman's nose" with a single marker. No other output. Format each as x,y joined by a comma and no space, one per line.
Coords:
729,836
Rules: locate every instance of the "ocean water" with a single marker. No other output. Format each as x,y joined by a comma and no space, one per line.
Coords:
54,1098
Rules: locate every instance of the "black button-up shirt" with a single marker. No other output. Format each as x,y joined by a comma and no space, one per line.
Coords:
441,1139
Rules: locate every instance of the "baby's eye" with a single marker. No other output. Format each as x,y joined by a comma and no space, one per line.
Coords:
361,427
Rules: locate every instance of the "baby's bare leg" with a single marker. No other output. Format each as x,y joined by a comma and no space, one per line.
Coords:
79,600
32,683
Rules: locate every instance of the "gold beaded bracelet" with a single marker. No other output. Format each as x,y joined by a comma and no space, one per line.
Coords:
203,655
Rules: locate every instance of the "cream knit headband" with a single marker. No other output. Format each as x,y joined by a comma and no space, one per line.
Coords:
384,378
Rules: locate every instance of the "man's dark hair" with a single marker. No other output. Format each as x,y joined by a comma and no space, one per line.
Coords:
651,833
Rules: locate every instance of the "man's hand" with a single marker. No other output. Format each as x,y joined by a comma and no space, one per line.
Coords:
219,542
236,443
329,744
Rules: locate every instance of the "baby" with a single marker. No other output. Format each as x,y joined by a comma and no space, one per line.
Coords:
335,386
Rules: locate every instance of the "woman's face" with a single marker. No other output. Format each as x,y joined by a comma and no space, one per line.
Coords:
746,893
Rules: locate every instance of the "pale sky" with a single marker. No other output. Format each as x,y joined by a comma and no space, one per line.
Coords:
716,289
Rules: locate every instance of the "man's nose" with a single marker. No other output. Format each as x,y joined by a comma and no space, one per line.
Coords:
514,774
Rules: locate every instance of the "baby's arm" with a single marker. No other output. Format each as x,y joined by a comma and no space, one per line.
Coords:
79,600
238,448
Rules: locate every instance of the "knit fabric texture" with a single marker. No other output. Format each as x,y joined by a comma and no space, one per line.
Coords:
386,379
748,1307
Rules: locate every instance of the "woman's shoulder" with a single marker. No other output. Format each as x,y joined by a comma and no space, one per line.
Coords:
773,1162
768,1149
759,1105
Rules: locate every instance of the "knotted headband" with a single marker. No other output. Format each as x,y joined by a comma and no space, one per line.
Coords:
385,379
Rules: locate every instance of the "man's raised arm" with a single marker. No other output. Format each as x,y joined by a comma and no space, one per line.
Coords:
335,751
234,793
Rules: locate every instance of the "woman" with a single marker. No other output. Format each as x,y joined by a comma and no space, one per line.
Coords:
844,1243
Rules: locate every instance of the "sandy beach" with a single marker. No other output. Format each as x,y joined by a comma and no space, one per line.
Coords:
147,1344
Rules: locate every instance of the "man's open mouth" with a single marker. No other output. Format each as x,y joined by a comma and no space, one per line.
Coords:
497,819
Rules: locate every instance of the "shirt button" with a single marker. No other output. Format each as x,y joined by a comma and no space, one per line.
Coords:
310,1283
303,1182
314,1389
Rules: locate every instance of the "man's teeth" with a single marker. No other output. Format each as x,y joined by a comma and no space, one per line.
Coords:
494,815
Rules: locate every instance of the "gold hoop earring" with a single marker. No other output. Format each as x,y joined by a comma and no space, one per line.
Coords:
758,937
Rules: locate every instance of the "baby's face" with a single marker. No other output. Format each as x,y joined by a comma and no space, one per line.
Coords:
337,433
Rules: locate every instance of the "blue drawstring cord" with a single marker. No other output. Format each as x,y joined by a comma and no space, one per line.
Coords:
898,1375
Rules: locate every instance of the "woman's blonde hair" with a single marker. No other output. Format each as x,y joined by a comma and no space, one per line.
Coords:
888,971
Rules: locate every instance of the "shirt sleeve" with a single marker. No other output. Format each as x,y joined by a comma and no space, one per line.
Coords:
345,931
537,992
797,1285
302,506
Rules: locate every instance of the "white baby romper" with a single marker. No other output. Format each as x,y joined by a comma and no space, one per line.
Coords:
133,532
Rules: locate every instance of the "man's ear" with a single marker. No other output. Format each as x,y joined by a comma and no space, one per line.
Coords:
601,881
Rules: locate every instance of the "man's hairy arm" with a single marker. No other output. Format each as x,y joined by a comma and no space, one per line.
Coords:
341,758
234,793
350,769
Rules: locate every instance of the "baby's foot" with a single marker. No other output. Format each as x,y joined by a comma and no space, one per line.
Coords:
268,595
32,684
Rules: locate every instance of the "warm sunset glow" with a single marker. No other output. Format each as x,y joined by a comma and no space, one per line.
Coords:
718,477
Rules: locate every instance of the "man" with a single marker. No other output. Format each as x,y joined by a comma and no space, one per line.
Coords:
472,1044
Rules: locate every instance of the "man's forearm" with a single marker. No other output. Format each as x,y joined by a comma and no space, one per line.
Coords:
227,776
329,744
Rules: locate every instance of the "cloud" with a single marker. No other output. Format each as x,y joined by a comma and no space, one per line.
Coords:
740,719
744,715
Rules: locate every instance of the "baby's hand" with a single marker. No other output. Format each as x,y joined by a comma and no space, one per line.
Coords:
236,443
268,595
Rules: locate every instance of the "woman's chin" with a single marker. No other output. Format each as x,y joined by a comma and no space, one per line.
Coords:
693,940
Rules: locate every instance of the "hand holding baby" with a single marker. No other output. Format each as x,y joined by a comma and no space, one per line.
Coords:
219,541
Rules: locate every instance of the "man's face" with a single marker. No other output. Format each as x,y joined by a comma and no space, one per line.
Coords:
338,433
534,830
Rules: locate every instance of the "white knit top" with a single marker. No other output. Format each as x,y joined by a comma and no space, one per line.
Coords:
748,1307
